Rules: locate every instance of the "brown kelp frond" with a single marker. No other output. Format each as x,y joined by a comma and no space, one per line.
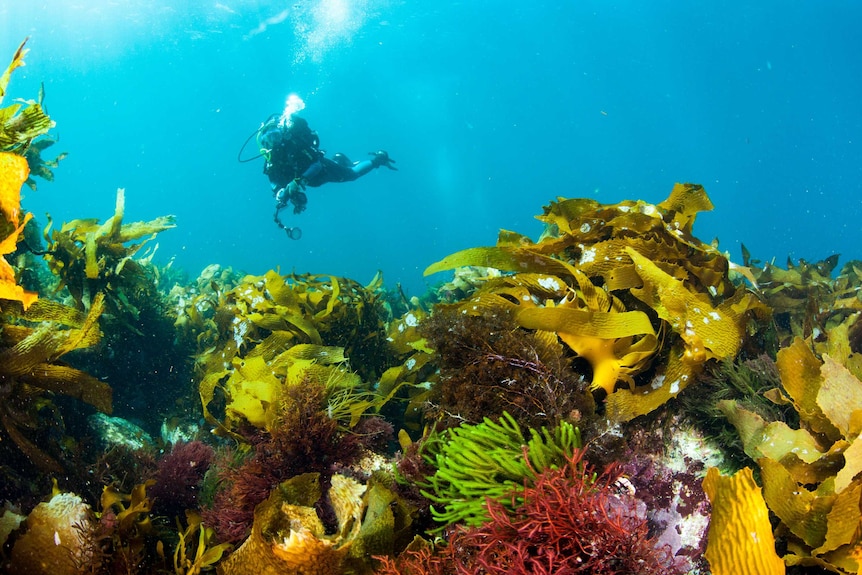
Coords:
740,535
29,366
23,122
626,287
13,173
807,300
39,166
277,312
17,61
289,537
35,334
89,258
272,332
811,472
46,343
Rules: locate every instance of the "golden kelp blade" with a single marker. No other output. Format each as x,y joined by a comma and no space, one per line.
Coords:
740,535
502,258
17,60
604,339
684,203
72,382
13,174
711,332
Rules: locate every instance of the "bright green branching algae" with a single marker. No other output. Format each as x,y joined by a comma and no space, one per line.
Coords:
490,460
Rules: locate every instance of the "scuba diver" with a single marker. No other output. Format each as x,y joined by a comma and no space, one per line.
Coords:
294,161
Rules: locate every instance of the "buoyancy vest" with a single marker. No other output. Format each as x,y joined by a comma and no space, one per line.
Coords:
293,154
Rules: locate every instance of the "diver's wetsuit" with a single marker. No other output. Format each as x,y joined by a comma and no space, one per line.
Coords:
326,170
296,155
294,161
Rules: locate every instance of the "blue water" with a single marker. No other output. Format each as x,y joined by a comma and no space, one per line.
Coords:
491,109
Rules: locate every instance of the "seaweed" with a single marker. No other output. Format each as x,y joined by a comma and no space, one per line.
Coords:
272,332
492,460
30,369
40,166
13,172
127,521
23,122
810,473
488,364
193,557
89,257
807,301
747,382
627,288
288,536
740,537
570,519
35,334
301,437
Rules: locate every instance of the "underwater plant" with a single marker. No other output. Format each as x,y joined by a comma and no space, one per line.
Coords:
35,335
281,311
488,365
301,438
256,387
740,534
179,474
810,474
21,123
621,285
746,381
127,522
30,367
193,557
412,381
90,257
120,465
23,136
492,460
806,300
40,166
289,536
569,520
13,172
270,334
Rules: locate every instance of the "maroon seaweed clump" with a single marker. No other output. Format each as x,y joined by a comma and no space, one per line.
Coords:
569,522
488,365
305,440
179,476
374,433
241,487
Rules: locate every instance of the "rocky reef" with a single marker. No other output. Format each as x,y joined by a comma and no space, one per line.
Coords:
615,396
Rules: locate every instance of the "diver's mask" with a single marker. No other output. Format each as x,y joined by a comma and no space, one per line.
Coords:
270,136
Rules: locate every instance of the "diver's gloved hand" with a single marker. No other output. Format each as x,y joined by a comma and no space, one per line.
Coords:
281,197
381,158
296,196
299,201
